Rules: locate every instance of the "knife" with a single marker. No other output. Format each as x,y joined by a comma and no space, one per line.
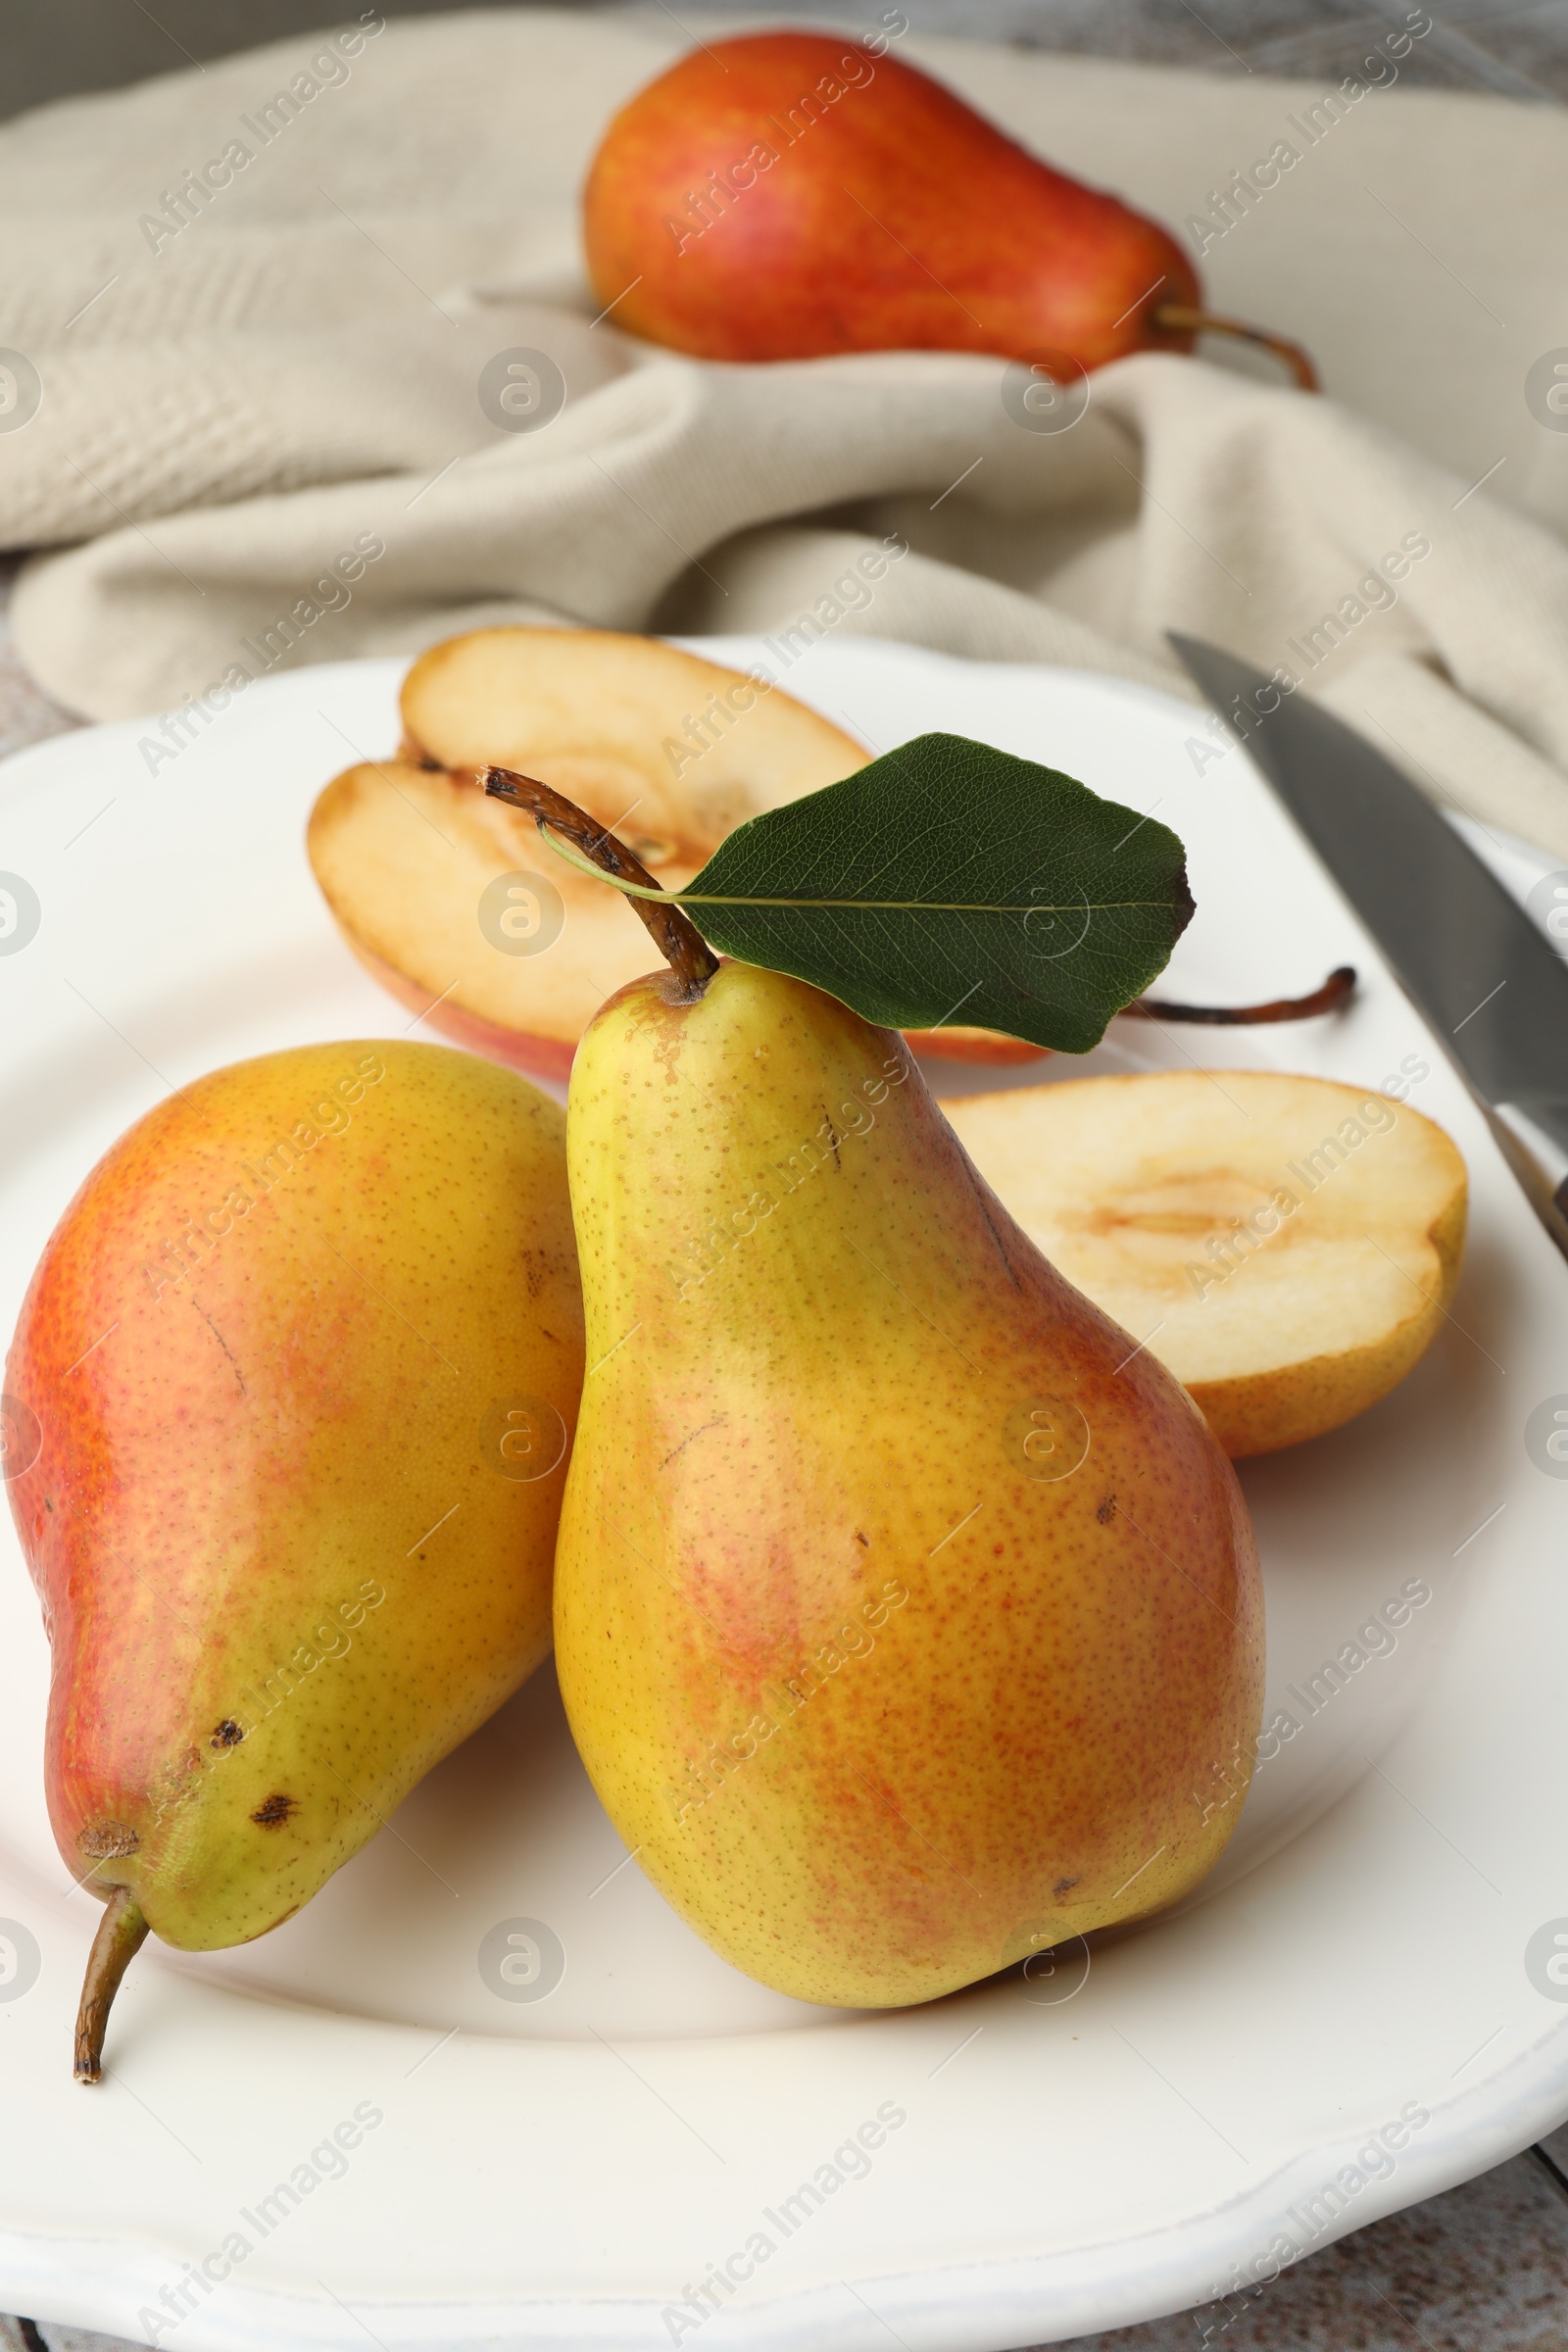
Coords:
1486,981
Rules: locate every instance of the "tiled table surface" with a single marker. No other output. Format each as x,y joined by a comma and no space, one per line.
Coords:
1484,2267
1514,48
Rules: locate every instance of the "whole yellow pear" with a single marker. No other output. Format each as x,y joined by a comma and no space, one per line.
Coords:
298,1370
908,1614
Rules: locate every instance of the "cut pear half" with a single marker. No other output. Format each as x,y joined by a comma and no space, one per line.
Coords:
455,904
1288,1246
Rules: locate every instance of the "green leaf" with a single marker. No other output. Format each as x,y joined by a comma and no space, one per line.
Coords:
950,882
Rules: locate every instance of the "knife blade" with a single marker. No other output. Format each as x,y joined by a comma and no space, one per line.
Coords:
1486,981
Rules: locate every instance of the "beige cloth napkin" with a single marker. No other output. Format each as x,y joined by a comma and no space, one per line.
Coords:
260,409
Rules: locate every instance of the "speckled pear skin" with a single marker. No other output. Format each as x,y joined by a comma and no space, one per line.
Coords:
255,1654
880,1709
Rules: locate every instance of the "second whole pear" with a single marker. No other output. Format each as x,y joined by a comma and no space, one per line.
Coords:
907,1615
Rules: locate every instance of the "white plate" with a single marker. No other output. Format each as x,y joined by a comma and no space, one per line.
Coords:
1073,2155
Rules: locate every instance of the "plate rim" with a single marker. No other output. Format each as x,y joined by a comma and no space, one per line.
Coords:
1154,2268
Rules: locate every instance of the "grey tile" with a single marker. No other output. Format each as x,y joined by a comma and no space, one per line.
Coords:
1486,45
1532,41
28,2336
1517,51
1481,2269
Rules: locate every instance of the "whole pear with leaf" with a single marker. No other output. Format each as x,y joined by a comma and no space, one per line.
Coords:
907,1615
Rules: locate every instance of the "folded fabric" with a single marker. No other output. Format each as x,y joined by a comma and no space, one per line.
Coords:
354,397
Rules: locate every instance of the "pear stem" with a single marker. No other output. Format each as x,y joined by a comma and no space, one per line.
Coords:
676,935
121,1933
1335,992
1178,319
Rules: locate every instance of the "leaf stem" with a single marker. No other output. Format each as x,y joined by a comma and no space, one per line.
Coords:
675,934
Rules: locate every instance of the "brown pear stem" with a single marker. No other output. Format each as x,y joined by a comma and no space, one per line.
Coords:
1182,322
676,935
1335,992
121,1933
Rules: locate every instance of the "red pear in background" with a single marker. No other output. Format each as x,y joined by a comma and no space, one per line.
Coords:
788,195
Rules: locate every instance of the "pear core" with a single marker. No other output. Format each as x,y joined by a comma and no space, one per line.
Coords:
1288,1246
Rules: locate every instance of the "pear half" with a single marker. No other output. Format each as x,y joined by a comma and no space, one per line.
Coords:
1288,1246
667,751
